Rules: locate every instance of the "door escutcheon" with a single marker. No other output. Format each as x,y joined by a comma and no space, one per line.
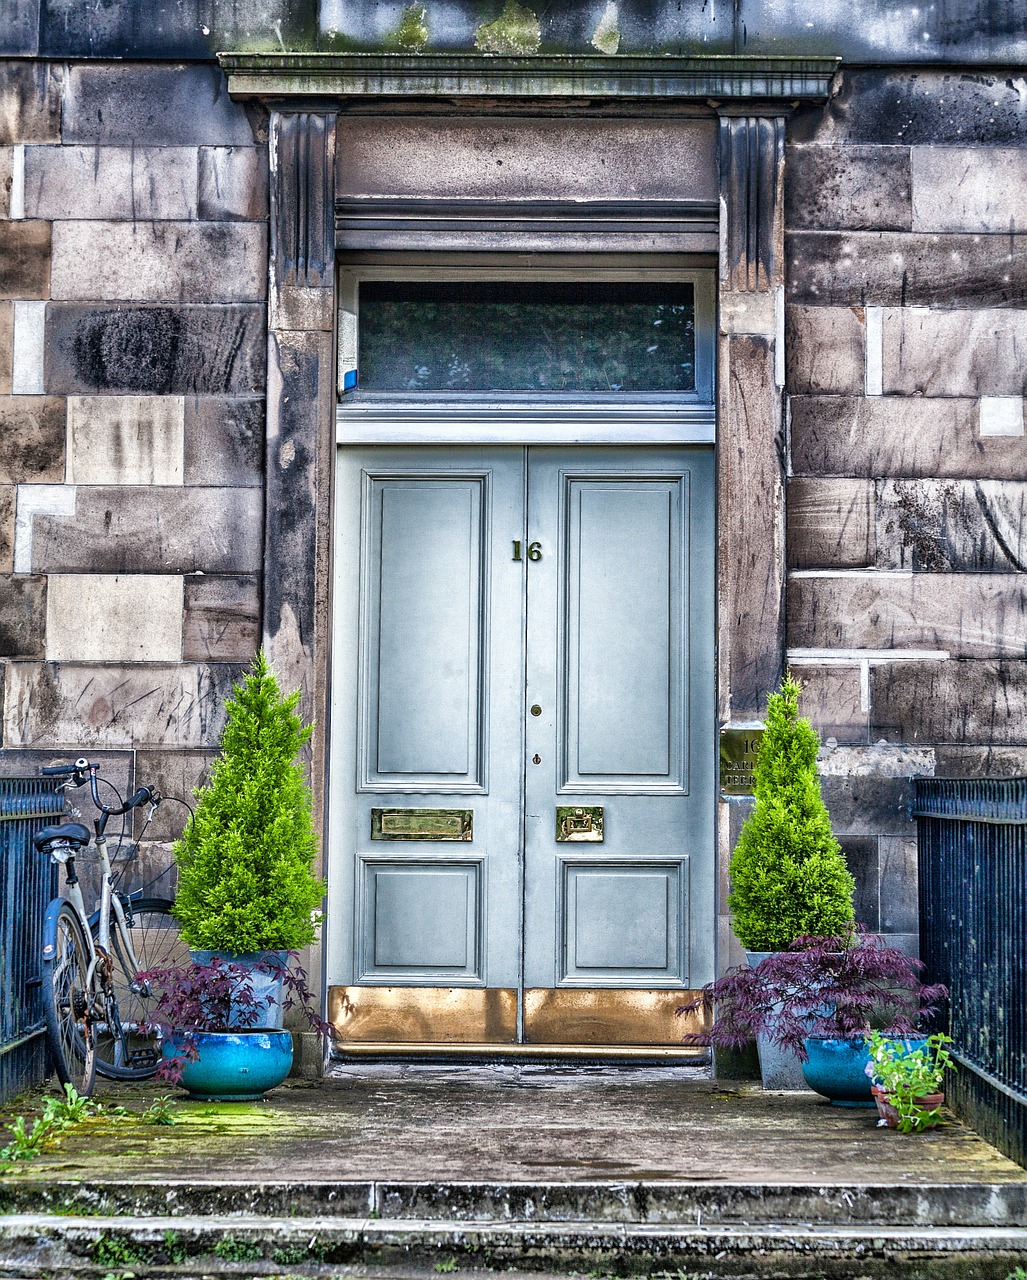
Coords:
536,710
536,759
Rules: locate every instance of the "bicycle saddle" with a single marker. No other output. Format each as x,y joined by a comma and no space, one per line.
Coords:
73,832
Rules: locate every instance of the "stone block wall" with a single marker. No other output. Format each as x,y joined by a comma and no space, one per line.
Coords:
907,459
133,287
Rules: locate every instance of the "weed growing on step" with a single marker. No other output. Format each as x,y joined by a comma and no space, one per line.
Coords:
173,1248
112,1251
63,1113
1020,1273
448,1265
235,1249
59,1115
161,1111
312,1251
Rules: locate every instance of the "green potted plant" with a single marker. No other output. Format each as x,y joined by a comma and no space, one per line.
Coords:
818,1001
212,1026
788,874
246,889
907,1078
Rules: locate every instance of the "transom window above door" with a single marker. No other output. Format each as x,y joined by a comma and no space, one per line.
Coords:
518,335
526,345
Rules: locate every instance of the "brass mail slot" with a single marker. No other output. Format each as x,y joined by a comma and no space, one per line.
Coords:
422,824
579,823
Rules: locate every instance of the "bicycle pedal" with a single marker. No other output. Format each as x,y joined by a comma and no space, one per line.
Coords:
145,1059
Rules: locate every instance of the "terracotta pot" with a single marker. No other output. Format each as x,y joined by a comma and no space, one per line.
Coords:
891,1117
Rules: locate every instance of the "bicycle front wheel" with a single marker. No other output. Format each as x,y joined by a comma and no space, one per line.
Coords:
125,1048
68,1004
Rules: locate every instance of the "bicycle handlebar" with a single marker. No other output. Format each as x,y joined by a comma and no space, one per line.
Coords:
81,772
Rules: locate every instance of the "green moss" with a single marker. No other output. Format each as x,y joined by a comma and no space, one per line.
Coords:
516,30
411,33
606,37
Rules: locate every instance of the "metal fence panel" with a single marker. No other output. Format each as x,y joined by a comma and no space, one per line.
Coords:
27,883
972,841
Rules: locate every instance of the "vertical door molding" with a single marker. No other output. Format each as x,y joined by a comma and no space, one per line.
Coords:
300,445
750,427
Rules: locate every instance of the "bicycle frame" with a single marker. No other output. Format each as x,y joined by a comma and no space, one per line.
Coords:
100,961
109,905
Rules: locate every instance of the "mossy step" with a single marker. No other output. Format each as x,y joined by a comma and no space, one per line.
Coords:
677,1205
45,1245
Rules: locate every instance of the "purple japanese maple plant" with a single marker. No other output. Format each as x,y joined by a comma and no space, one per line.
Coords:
194,999
820,988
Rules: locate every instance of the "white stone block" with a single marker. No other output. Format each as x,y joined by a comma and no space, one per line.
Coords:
1001,416
33,500
875,352
126,439
122,183
29,331
969,188
17,197
159,261
99,617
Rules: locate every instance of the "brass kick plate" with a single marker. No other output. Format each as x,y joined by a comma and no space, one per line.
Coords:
422,824
579,823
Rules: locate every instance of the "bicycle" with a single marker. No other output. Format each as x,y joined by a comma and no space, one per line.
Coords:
96,1009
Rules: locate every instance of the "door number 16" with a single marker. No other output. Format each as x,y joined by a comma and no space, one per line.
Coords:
534,550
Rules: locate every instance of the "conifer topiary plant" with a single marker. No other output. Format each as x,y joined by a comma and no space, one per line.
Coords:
245,881
788,875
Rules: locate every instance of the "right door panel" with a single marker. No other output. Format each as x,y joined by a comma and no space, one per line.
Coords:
620,720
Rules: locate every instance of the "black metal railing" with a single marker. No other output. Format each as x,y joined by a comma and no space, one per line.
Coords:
972,840
27,883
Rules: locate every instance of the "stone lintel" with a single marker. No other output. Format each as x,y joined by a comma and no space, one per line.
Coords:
333,75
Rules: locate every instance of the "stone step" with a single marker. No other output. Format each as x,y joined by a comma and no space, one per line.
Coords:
47,1246
999,1205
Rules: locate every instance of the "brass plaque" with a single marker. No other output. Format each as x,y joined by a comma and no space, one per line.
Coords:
738,751
579,823
422,824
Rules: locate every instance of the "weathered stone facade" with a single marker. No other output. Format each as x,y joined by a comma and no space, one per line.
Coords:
134,252
164,502
906,449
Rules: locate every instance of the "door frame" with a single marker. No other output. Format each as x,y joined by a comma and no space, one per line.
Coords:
749,99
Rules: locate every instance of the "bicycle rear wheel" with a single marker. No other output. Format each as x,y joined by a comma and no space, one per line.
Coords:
125,1050
68,1004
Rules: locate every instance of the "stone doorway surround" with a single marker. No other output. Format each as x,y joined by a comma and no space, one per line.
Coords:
750,98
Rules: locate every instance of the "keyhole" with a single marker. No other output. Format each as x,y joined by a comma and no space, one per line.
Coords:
536,710
536,759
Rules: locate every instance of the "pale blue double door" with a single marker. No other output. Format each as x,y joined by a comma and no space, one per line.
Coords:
524,663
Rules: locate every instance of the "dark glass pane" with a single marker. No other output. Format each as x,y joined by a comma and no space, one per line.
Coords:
491,336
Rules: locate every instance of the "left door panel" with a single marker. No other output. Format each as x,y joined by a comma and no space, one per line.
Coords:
424,913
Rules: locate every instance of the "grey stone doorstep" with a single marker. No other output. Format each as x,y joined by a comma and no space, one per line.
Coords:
67,1245
653,1205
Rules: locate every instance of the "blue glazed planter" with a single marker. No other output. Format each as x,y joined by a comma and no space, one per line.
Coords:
837,1070
234,1066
